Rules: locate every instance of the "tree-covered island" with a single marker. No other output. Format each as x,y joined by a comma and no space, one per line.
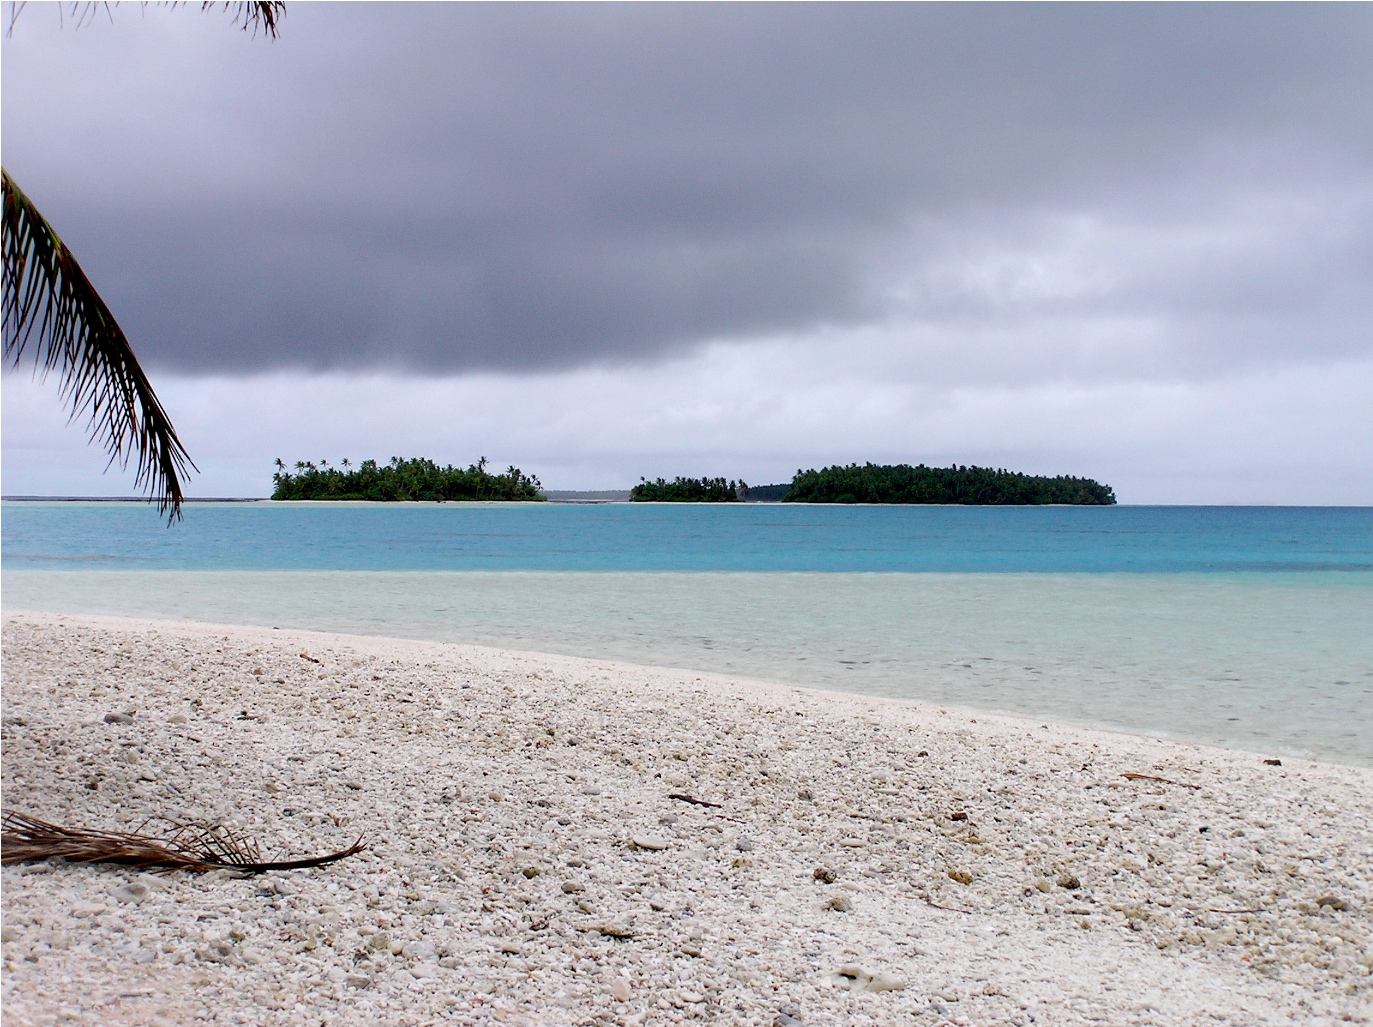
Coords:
970,486
687,490
415,480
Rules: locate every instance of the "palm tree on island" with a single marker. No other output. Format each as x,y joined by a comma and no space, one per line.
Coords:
54,317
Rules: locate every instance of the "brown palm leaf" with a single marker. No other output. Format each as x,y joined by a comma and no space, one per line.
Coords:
186,845
52,311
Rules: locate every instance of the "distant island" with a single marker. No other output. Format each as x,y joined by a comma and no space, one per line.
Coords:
969,486
415,480
687,490
421,480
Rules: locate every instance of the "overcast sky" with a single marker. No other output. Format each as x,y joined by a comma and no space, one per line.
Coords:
1132,242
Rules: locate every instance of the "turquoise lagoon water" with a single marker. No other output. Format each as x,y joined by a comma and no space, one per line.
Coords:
1246,627
689,537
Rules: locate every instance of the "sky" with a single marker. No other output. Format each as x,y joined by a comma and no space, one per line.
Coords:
1132,242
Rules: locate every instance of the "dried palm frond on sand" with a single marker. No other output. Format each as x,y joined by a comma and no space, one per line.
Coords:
192,846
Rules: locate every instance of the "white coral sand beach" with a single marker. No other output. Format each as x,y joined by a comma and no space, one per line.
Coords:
558,841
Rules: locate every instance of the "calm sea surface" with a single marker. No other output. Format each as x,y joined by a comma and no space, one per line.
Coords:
1247,627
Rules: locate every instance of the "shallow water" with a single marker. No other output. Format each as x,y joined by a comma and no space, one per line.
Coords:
1247,627
1280,663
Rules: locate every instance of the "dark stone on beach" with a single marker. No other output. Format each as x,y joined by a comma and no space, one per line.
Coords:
1273,763
119,718
960,815
1332,902
1069,881
825,875
922,752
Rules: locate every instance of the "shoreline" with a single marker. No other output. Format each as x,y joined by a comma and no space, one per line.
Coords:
742,502
1007,719
529,863
1269,664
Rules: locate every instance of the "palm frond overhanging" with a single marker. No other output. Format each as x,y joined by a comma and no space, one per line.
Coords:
53,313
258,14
254,16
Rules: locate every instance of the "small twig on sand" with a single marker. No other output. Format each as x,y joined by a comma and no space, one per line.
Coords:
1160,780
194,847
951,909
681,797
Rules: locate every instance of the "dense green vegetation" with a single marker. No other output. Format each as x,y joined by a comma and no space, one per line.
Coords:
902,483
417,480
687,490
766,493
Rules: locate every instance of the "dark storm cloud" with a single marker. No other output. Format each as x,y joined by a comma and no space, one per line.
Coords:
456,187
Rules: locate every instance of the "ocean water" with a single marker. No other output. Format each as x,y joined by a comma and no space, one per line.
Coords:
1251,628
688,537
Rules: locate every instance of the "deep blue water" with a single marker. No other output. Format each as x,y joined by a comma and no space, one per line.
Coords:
669,537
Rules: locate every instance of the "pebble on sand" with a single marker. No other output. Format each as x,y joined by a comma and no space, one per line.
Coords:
855,978
132,893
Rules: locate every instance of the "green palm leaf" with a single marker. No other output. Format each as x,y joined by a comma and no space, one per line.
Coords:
53,313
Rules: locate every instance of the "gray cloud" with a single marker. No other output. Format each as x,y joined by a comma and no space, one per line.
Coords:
439,187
